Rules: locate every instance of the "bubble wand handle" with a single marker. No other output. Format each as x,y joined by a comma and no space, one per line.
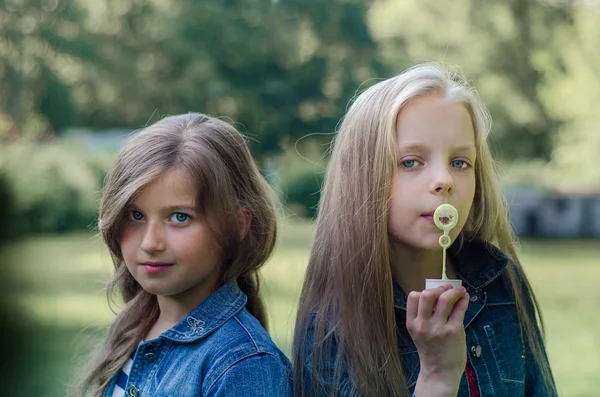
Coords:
445,218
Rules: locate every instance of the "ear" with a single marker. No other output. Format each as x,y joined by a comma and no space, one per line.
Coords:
244,221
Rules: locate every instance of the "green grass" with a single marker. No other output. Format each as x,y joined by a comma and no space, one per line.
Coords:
56,306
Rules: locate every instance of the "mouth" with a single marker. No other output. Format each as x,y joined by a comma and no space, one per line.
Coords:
428,217
156,264
155,267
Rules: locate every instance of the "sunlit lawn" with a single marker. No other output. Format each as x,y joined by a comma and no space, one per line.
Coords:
56,283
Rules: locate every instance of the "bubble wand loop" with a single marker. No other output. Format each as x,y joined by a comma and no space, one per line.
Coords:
445,218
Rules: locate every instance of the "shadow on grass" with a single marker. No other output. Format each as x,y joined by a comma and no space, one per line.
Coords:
38,359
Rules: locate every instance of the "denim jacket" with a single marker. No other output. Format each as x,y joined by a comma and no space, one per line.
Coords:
495,348
218,349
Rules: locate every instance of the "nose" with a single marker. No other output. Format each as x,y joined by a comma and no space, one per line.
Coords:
153,240
442,182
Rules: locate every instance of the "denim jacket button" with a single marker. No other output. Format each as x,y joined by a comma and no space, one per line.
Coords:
132,391
150,356
473,298
476,351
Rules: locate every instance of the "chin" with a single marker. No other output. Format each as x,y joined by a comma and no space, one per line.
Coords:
433,246
424,243
154,289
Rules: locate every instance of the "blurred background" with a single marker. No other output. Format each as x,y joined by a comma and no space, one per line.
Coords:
77,76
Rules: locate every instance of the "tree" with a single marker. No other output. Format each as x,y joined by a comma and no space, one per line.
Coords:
281,69
36,42
506,46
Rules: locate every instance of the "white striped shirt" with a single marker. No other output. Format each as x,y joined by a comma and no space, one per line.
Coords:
122,378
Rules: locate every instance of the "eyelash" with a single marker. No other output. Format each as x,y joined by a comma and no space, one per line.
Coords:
134,212
132,215
405,161
468,165
187,217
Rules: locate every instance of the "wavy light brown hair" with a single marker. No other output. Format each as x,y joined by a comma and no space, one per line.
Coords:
216,158
347,294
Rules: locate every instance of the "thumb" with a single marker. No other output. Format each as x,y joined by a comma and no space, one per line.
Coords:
457,316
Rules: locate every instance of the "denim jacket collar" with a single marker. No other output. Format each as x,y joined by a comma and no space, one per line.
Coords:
477,264
209,315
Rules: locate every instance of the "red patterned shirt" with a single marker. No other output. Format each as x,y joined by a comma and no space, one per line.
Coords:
473,387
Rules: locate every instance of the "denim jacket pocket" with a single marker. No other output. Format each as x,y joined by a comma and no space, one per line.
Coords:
508,354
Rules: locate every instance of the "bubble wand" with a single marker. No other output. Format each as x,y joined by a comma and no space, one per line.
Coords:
445,218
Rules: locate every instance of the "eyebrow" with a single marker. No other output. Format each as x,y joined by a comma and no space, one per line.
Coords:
423,148
171,208
465,148
182,207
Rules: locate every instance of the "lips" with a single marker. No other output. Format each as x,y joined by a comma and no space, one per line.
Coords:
156,264
156,267
428,218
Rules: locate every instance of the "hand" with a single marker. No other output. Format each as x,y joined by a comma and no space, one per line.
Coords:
434,319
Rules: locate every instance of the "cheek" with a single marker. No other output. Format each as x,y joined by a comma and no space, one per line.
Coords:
186,251
128,240
467,196
400,198
397,215
471,191
194,245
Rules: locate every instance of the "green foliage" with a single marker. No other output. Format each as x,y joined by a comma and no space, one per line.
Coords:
287,69
45,56
280,69
298,177
499,44
48,188
301,190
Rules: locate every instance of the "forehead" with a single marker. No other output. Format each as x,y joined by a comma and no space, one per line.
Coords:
172,188
435,119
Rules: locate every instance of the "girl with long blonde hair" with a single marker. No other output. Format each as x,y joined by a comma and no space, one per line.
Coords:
366,326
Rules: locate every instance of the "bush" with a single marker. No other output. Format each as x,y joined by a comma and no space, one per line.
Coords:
300,190
48,188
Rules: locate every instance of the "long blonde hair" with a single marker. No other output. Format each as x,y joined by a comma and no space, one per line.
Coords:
347,294
216,157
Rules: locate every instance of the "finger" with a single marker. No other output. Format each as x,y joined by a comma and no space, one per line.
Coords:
445,287
447,301
412,305
428,299
457,317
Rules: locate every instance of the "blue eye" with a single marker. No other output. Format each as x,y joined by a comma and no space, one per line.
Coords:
409,163
180,217
136,215
461,164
